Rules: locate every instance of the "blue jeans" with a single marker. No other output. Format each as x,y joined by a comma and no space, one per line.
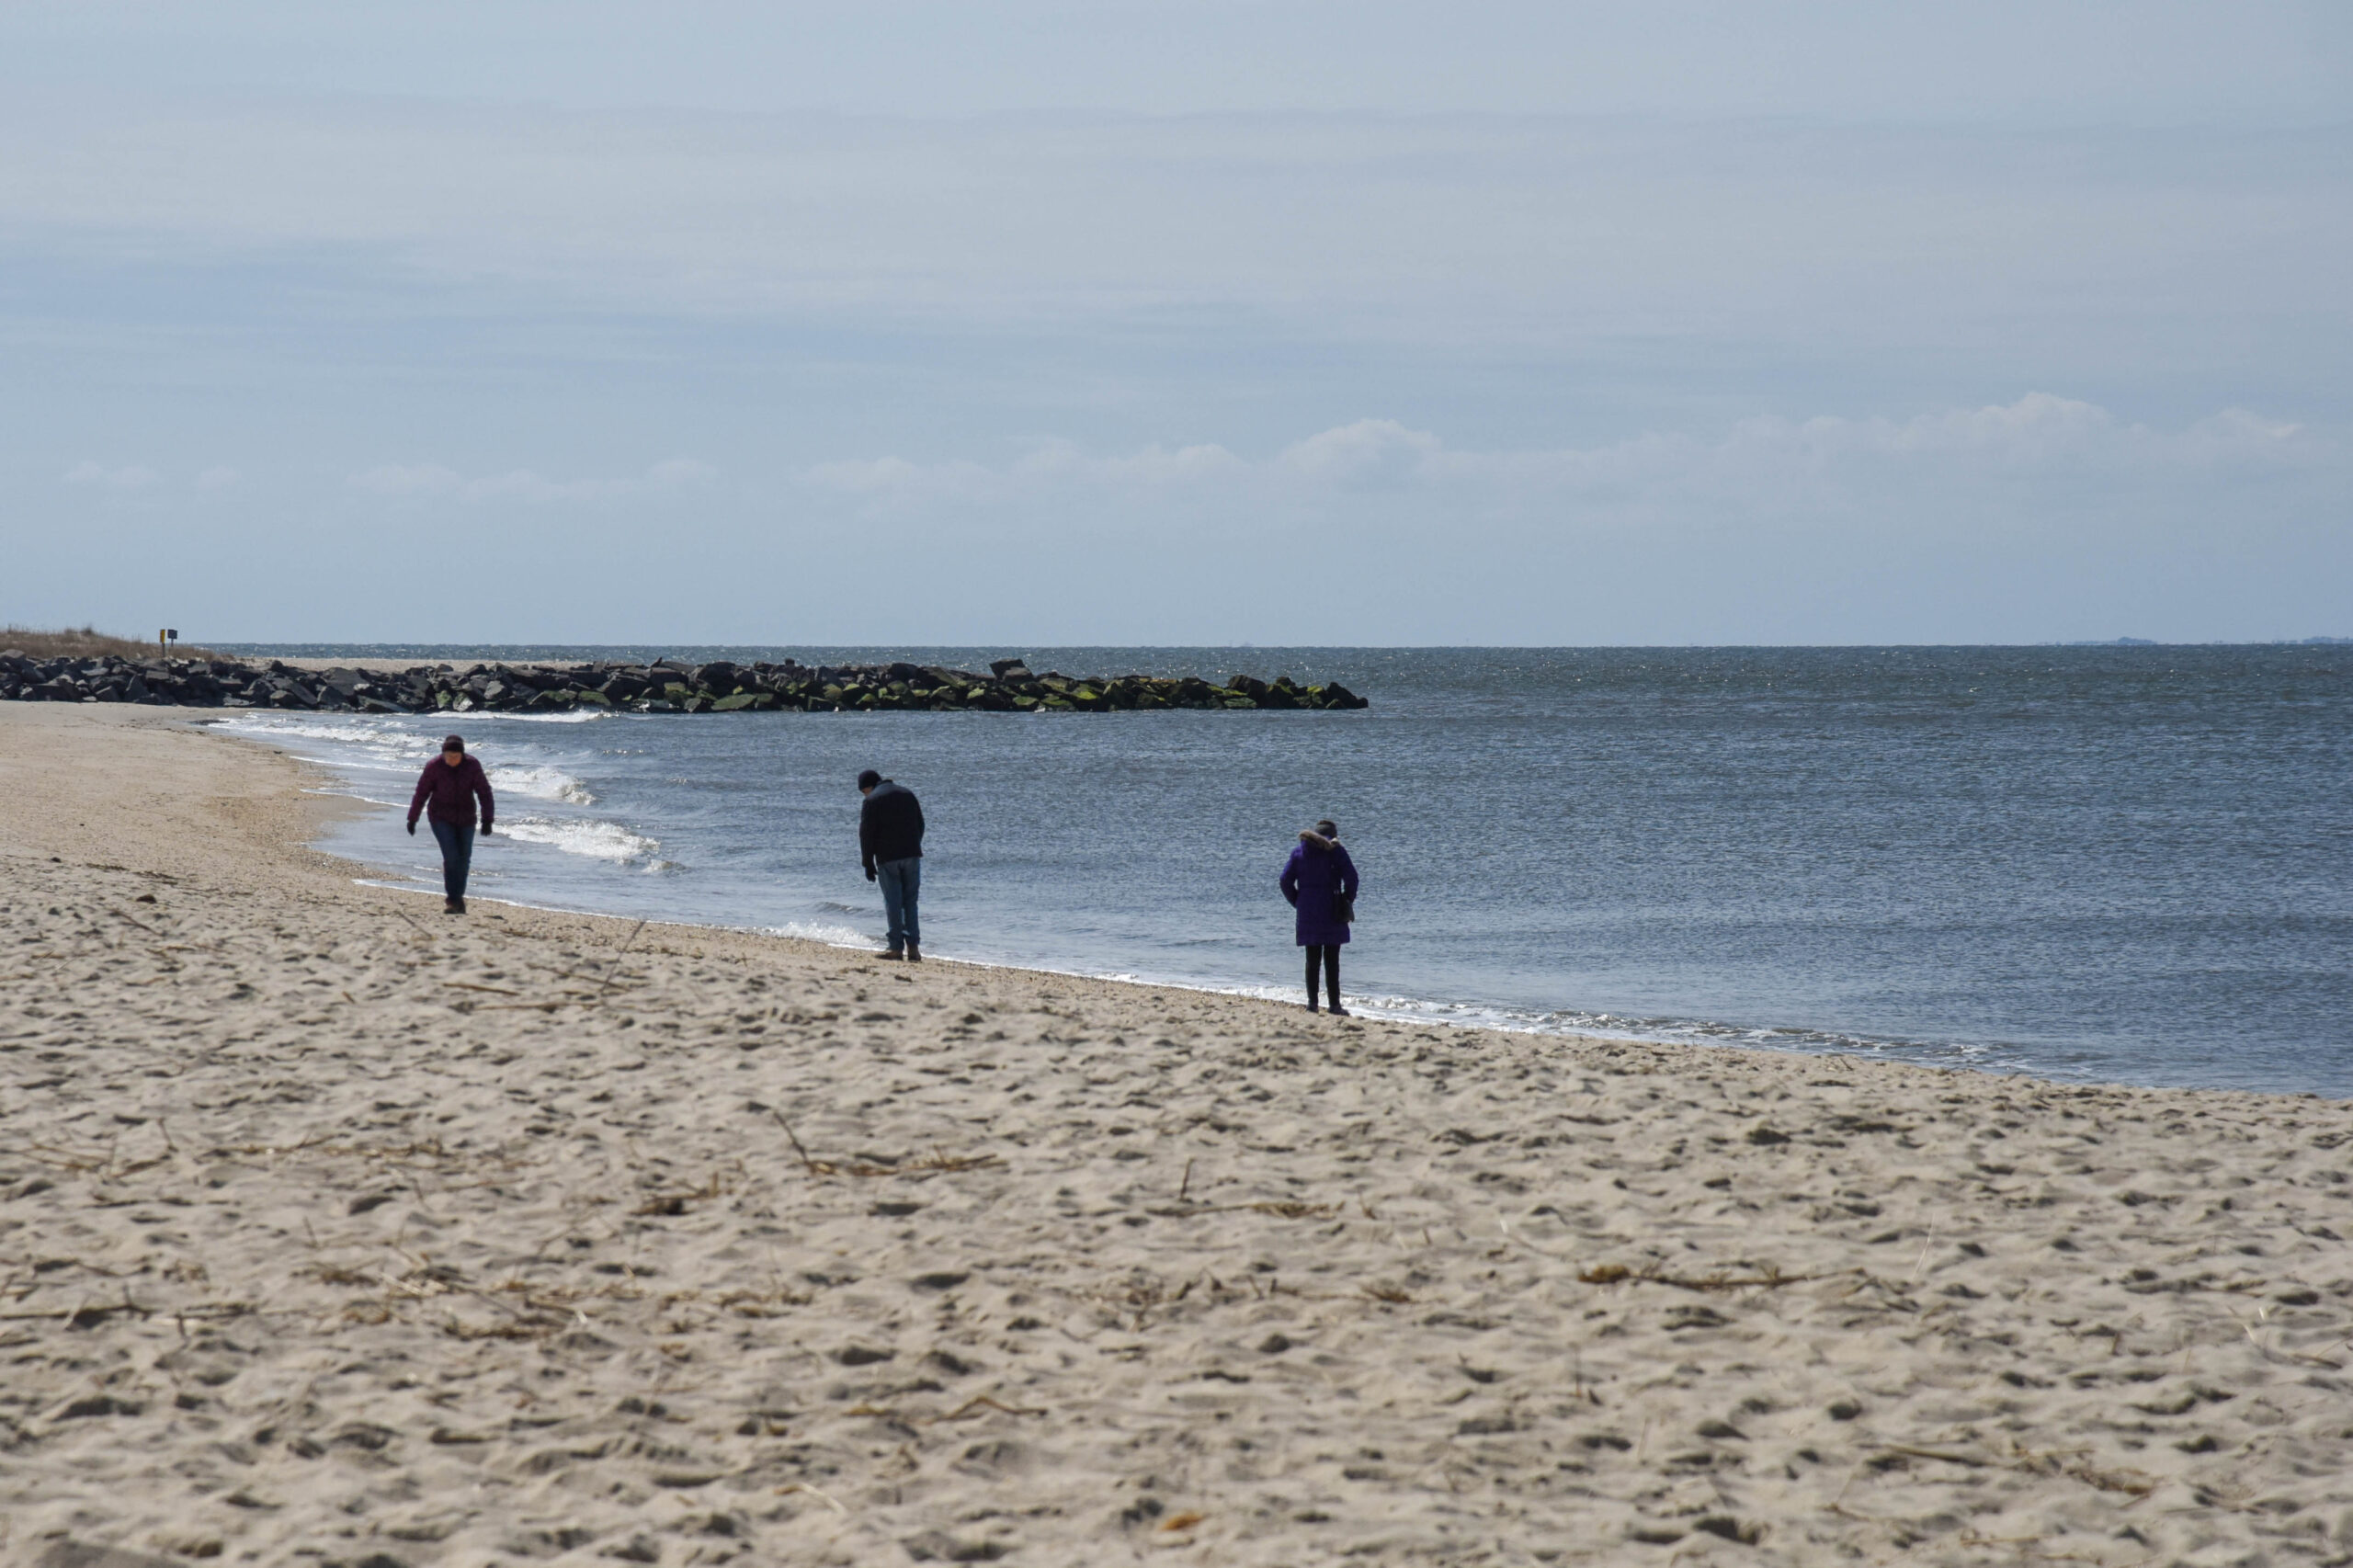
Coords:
457,855
900,881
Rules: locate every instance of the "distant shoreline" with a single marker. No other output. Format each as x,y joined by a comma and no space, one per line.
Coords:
323,653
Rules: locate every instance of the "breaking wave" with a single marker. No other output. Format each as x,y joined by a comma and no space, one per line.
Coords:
541,783
607,841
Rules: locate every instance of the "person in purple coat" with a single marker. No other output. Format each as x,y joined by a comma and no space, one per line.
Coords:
1317,877
445,793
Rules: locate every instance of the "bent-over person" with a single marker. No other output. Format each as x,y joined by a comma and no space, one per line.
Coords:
890,841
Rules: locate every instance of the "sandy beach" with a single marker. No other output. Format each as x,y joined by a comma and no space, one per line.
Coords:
337,1231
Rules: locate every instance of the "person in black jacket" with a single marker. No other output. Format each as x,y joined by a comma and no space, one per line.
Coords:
890,840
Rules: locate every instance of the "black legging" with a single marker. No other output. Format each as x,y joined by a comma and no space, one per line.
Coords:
1329,958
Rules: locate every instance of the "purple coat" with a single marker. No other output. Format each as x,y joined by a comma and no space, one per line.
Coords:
1309,880
447,794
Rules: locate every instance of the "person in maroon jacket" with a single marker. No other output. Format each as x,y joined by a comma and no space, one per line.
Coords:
446,794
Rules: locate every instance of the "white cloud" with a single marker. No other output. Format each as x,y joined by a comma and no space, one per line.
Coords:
1154,465
898,477
219,477
2037,516
2040,434
436,481
130,476
1366,451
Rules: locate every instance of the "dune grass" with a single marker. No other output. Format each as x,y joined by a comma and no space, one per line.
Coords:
88,642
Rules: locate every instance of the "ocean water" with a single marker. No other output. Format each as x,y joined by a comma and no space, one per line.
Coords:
2107,864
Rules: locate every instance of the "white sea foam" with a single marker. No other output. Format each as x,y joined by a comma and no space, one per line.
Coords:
541,783
371,734
350,745
397,745
575,716
832,936
258,724
597,840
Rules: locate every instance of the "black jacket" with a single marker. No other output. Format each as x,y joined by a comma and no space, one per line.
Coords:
890,826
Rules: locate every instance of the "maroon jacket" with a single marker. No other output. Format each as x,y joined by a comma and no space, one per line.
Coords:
451,792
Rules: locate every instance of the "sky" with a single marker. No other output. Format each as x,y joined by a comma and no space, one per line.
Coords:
1132,322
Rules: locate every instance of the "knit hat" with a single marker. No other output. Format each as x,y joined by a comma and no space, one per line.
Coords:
453,743
868,779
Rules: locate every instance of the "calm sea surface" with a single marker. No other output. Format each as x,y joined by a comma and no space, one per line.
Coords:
2119,864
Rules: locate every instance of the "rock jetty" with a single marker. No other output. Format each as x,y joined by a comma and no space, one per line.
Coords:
665,686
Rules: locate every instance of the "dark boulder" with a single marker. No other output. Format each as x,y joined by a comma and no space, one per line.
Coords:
666,685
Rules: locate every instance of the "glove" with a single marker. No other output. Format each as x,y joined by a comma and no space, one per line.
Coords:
869,873
485,830
411,827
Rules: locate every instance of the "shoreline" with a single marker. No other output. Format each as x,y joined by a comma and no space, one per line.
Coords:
1386,1010
331,1231
1993,1058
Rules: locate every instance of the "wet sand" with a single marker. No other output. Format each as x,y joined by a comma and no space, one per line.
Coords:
334,1229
